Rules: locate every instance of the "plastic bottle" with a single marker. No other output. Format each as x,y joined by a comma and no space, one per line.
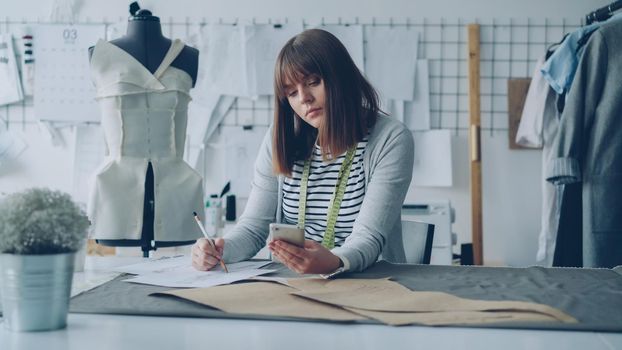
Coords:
213,216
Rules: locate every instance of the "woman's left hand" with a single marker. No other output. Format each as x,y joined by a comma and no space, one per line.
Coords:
313,258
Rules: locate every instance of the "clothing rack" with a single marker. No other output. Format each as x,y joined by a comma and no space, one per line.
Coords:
603,13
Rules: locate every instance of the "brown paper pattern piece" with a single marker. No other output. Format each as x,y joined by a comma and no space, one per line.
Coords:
388,296
264,298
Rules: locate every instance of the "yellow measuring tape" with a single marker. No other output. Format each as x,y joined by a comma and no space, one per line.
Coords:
335,203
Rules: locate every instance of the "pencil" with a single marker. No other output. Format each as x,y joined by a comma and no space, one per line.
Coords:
209,239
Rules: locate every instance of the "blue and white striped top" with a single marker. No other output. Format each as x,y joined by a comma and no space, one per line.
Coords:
320,189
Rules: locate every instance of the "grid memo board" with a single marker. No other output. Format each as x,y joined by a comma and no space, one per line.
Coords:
509,49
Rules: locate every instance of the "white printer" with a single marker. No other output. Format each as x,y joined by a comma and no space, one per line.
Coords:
440,213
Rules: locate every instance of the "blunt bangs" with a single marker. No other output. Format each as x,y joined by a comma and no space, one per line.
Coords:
293,65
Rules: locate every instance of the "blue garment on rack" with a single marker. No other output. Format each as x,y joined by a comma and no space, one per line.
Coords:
560,68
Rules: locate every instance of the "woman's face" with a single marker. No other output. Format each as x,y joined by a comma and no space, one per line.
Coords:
307,99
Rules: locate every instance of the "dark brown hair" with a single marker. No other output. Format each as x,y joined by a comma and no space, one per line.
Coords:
351,102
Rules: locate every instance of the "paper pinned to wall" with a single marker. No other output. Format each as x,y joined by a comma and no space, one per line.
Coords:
394,108
263,44
417,111
390,60
208,107
63,89
89,152
238,60
10,81
223,60
27,61
433,158
199,116
203,120
241,149
11,145
352,38
116,30
202,93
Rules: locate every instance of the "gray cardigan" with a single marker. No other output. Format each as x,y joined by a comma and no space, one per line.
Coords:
388,165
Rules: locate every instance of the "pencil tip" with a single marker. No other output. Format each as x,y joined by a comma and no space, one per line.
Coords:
195,213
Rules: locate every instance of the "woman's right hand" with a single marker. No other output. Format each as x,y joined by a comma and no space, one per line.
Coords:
204,256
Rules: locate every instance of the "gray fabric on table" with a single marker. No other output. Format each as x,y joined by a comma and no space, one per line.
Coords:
125,298
592,296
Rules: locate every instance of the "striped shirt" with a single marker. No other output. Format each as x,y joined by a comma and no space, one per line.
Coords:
320,189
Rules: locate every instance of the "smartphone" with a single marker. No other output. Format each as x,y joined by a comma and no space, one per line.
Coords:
288,233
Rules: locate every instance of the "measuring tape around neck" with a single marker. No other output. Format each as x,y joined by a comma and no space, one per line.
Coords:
335,203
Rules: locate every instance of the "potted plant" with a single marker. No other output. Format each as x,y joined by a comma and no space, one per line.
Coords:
40,231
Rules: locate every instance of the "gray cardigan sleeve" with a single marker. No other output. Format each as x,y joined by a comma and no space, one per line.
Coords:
250,233
389,178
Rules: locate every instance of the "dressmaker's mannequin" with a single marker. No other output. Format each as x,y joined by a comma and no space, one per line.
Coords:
146,44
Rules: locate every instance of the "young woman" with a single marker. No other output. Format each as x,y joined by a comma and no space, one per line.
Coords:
331,162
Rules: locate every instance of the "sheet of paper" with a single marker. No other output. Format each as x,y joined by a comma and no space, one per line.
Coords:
241,149
220,111
281,280
11,145
390,60
116,30
209,106
263,43
264,298
352,38
89,154
199,116
223,60
85,281
188,277
417,111
172,263
433,158
10,82
27,60
177,272
380,285
202,94
63,89
394,108
203,120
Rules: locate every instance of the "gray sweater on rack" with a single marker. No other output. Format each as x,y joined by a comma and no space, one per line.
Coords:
589,145
388,165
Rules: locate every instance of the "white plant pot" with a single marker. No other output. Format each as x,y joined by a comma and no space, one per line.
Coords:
35,290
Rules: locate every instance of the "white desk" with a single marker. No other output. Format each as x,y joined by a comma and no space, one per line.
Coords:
138,332
90,331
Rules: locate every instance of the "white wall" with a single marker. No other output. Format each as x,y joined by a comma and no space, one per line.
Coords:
313,10
511,190
41,164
